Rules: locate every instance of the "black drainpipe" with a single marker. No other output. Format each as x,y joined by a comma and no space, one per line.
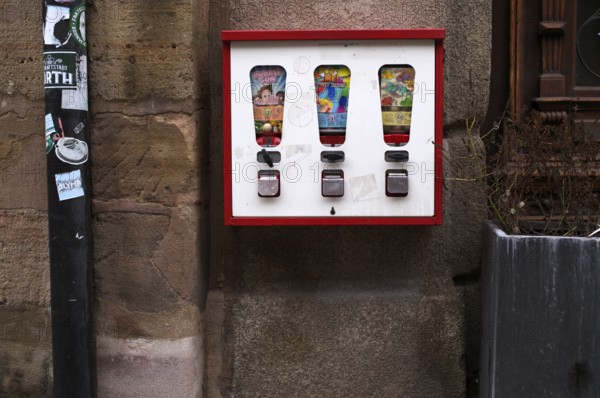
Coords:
69,197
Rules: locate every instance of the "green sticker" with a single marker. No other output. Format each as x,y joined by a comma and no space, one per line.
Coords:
60,70
77,25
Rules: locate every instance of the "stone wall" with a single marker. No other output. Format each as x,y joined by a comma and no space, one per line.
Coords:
269,312
147,200
353,311
25,333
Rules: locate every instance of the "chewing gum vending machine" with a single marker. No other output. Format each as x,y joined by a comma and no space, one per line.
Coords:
333,127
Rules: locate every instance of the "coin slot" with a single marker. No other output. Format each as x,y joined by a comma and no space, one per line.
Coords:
332,156
268,157
396,156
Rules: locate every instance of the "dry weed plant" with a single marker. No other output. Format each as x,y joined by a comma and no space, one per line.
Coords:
540,178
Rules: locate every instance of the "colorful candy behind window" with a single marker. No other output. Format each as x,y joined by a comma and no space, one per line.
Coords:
268,97
397,85
332,86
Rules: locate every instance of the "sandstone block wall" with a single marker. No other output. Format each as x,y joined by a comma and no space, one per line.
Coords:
25,354
147,199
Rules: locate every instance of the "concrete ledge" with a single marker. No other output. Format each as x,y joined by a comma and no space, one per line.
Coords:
143,368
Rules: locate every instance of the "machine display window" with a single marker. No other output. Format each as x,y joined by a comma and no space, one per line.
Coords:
268,97
396,89
332,89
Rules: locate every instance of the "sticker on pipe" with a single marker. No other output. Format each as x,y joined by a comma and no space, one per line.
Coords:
77,25
50,131
69,185
56,26
72,151
60,69
77,98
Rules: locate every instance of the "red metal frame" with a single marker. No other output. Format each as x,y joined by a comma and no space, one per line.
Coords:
259,35
391,34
